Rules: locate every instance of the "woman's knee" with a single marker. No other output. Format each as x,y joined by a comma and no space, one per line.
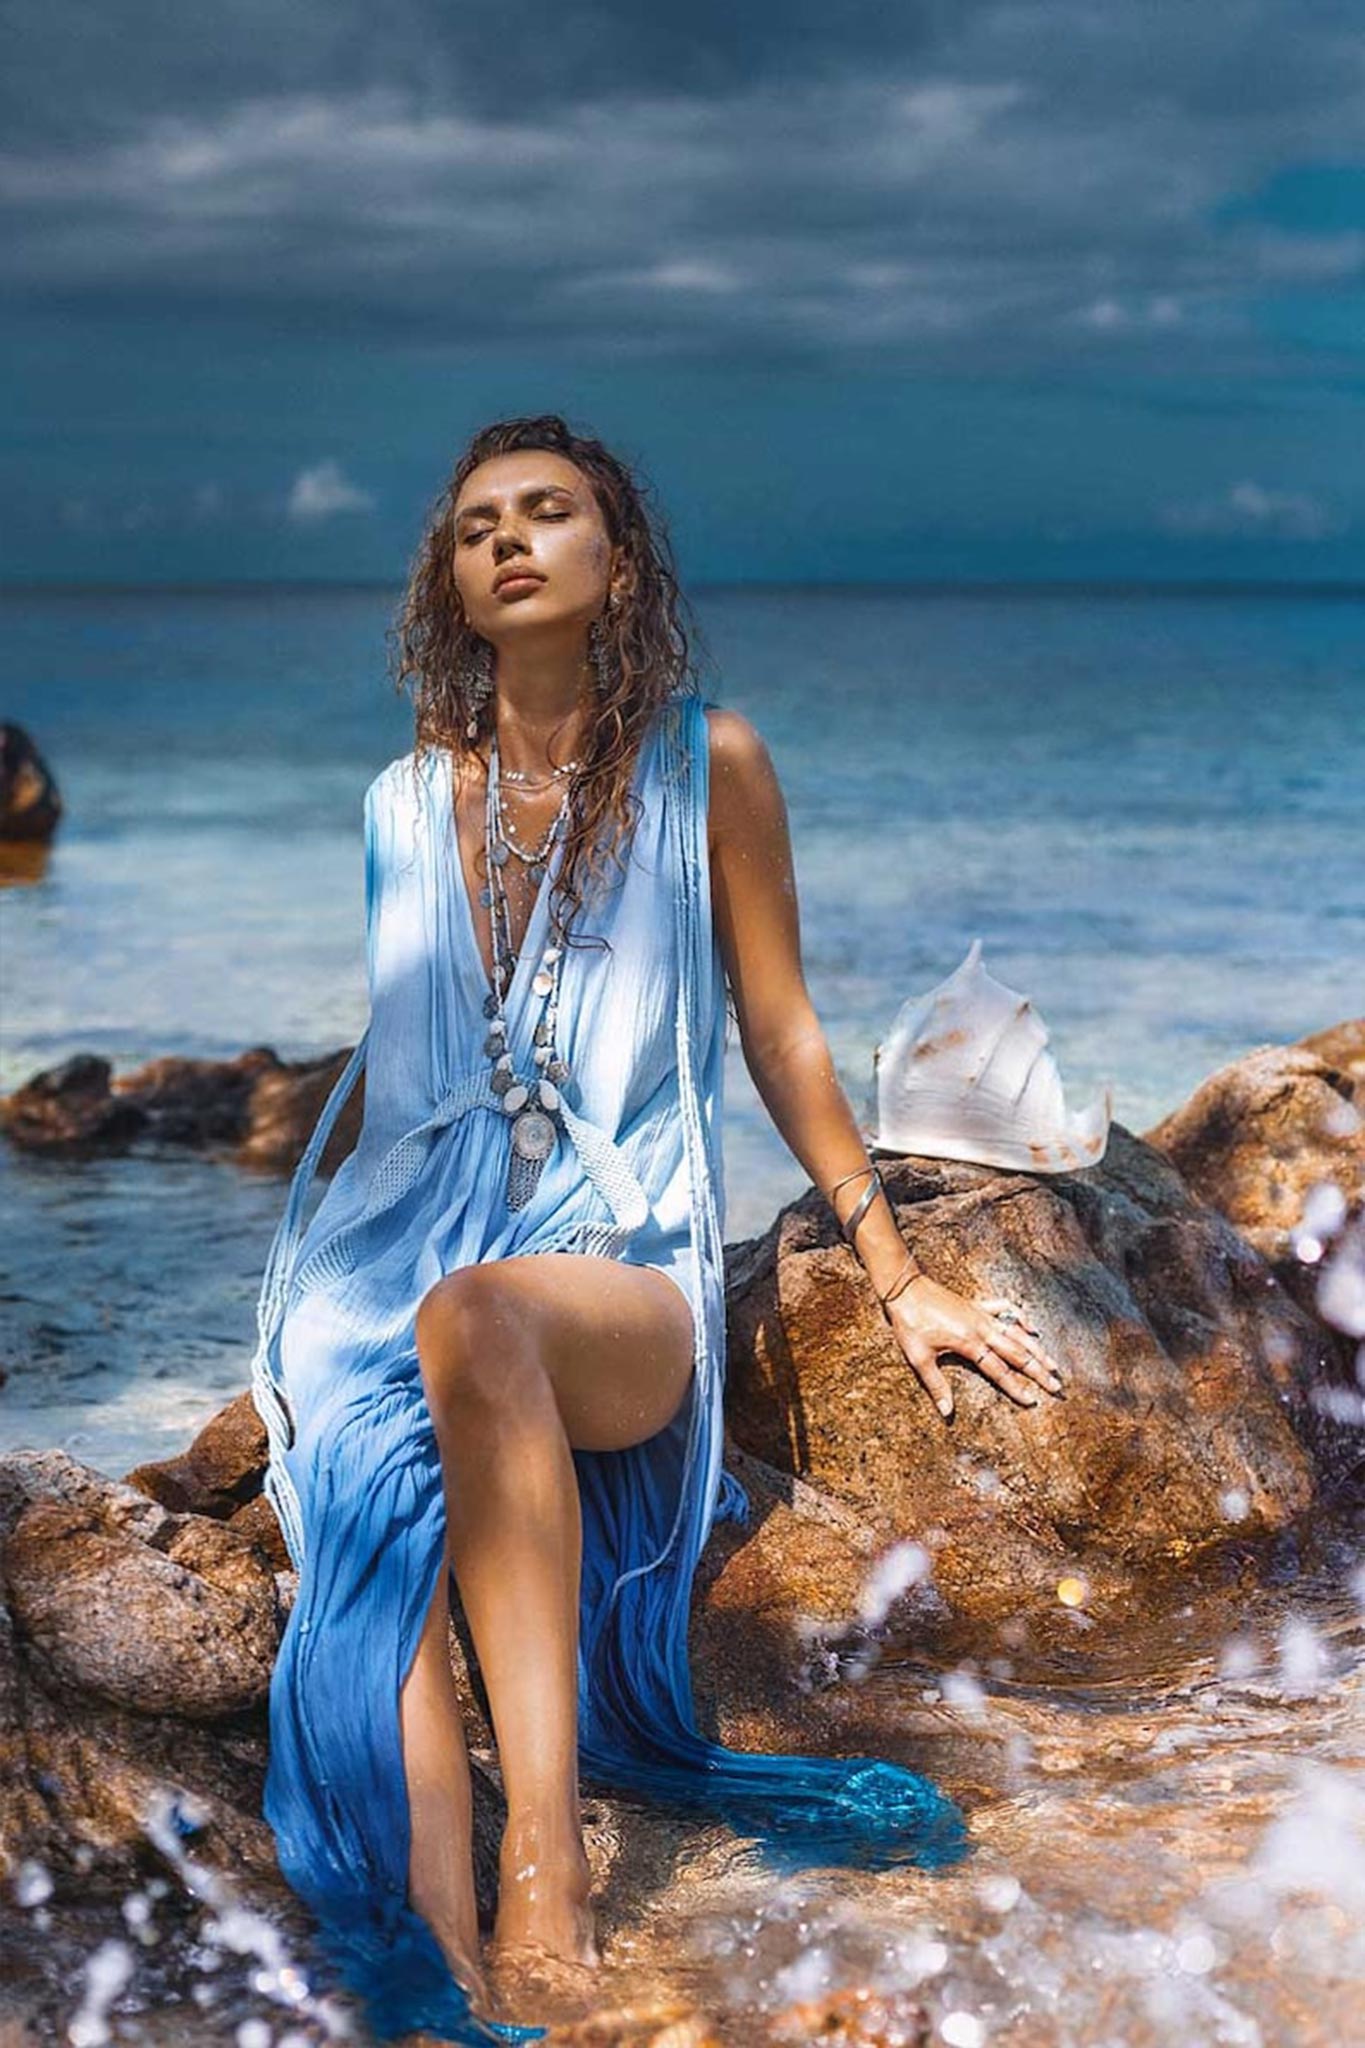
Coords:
475,1342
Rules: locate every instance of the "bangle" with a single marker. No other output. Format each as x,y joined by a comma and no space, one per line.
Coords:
912,1270
849,1225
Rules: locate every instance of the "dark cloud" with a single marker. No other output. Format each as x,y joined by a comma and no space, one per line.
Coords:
988,186
85,71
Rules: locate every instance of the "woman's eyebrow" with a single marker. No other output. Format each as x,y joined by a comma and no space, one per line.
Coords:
529,495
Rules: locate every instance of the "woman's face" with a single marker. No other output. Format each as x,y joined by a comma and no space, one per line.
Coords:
530,514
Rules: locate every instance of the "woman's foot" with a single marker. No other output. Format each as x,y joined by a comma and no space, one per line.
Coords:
544,1915
467,1970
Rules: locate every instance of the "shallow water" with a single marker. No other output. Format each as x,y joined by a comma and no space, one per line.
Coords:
1171,1853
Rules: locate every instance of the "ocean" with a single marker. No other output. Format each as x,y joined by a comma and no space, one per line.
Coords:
1149,808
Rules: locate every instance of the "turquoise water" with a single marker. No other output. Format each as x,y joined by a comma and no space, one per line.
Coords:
1150,810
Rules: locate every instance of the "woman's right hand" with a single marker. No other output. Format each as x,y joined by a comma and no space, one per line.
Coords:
928,1318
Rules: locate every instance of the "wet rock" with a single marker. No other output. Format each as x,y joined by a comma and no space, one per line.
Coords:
257,1109
30,803
1188,1416
1257,1137
285,1105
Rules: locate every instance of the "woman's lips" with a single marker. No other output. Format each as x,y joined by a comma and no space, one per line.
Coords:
518,586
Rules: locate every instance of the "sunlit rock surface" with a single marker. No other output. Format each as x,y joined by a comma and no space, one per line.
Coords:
1264,1137
1187,1417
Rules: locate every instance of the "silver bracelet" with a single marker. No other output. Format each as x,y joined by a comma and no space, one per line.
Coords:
849,1225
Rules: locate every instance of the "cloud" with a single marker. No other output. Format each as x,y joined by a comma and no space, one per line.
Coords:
322,492
1252,510
986,188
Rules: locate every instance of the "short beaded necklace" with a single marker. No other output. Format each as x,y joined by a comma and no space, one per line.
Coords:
532,1103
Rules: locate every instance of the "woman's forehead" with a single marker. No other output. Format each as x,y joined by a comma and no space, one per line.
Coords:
518,475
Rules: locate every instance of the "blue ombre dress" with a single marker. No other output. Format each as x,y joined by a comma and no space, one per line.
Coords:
354,1473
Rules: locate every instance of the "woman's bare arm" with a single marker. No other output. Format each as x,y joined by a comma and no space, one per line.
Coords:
754,902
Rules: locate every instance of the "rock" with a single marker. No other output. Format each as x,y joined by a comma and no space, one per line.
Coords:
219,1473
132,1604
136,1647
1188,1417
257,1109
1259,1135
285,1106
145,1615
70,1108
30,803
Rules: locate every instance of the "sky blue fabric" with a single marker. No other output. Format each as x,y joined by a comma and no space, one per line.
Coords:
354,1471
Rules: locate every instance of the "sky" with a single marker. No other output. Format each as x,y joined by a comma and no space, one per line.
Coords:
1041,291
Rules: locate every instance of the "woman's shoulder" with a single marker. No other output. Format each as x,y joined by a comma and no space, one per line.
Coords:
402,772
738,753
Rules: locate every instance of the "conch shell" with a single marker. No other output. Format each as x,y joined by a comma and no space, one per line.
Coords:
964,1074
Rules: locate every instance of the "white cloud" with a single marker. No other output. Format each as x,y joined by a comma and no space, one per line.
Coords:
1254,510
324,490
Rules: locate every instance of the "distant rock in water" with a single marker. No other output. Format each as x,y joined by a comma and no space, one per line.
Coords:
30,804
259,1109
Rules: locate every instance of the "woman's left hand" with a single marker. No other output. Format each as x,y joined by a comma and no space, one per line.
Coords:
928,1318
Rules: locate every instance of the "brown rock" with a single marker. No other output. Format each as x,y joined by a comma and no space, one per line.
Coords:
1341,1046
286,1103
258,1109
1257,1136
1188,1414
69,1108
221,1470
79,1774
30,802
137,1606
135,1652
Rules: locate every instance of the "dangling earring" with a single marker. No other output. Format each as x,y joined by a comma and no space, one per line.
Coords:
597,646
476,685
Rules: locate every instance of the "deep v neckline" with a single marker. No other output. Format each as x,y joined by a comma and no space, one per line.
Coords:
530,938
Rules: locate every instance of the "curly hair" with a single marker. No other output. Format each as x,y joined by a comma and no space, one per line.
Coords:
648,649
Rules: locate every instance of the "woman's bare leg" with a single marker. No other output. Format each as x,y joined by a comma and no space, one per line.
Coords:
523,1359
436,1762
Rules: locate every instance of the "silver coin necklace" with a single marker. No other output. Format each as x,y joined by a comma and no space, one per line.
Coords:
531,1103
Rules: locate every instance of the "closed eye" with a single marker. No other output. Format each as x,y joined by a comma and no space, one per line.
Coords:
478,532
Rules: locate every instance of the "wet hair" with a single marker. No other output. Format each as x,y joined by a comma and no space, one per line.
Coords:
648,642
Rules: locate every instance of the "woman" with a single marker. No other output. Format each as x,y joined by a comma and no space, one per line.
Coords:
561,881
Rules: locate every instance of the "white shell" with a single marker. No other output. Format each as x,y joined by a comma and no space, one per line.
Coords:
964,1074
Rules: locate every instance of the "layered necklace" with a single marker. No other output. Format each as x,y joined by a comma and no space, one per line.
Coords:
531,1102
